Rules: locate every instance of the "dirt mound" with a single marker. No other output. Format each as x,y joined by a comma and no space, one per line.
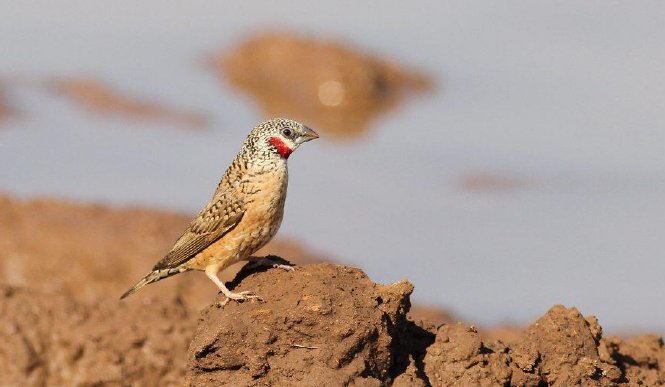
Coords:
51,340
562,348
330,325
61,323
98,97
333,88
641,359
5,110
320,325
482,181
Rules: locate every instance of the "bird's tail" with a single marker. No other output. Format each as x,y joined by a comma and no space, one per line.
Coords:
153,276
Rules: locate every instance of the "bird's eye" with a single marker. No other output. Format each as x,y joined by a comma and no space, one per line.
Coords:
286,132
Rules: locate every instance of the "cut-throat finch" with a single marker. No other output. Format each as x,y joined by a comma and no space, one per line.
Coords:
245,211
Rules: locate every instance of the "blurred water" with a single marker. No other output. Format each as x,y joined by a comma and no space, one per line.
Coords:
567,95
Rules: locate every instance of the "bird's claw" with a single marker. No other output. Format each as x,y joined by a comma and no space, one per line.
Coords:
241,296
246,295
285,267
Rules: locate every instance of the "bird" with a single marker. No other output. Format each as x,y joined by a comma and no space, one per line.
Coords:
244,212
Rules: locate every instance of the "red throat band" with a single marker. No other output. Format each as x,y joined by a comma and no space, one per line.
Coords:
281,147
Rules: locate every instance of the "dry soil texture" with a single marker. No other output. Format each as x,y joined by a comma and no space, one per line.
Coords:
63,266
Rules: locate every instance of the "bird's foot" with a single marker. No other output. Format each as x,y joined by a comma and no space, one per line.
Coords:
285,267
241,296
267,261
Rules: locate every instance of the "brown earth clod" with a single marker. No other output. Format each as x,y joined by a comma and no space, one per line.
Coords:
319,325
330,325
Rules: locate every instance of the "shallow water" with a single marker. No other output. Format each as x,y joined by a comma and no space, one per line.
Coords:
568,97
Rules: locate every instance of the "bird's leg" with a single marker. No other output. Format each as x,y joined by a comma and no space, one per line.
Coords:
211,272
266,261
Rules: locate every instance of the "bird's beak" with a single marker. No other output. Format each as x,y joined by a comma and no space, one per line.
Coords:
308,134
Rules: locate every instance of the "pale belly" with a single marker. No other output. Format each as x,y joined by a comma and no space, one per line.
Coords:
260,222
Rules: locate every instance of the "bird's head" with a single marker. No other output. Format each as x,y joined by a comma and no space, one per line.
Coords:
280,136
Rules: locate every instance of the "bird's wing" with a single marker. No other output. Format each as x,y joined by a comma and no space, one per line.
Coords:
220,216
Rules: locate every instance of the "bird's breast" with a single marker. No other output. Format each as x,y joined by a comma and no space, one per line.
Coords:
264,195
